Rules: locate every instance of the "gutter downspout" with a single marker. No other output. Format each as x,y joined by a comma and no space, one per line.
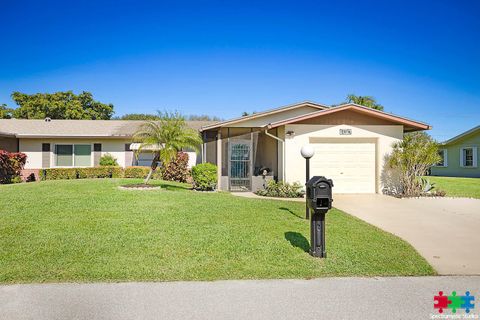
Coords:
283,150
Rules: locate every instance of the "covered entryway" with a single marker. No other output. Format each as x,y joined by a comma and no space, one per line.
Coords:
350,163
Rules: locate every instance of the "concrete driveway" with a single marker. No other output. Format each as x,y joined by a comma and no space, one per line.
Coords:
446,231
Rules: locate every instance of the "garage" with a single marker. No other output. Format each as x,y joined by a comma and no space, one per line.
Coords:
351,165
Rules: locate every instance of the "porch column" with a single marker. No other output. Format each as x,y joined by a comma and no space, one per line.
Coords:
219,159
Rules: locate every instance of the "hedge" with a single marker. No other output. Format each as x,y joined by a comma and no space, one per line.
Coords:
136,172
175,173
82,173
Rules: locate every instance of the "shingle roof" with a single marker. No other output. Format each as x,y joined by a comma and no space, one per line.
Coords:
77,128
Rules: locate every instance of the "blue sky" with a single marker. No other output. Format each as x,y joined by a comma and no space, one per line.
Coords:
420,59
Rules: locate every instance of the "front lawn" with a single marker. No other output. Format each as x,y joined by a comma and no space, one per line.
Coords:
90,230
458,187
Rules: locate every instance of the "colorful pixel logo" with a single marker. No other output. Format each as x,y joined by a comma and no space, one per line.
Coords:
454,302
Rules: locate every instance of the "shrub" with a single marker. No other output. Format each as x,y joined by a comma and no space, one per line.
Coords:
82,173
204,176
11,164
411,158
136,172
99,172
60,173
177,170
282,190
108,160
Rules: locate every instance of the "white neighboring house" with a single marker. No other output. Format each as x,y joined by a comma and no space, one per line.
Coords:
350,142
77,143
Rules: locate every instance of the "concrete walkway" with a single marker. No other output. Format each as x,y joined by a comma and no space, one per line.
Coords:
329,298
446,231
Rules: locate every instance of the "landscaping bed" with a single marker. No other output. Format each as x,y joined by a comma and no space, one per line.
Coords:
89,230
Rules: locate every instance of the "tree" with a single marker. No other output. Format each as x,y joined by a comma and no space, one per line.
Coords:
138,116
366,101
412,157
165,138
5,112
60,105
202,117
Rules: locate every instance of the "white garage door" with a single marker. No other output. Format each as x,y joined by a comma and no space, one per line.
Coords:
351,166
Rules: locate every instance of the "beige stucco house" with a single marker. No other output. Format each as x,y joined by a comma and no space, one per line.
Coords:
77,143
350,143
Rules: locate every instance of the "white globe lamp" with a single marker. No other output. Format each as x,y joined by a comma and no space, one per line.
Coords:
307,151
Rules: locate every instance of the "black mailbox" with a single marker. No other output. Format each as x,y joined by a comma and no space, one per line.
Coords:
319,193
319,200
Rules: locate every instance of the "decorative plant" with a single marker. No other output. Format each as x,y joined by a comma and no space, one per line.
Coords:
177,170
412,157
108,160
204,176
11,165
165,138
282,190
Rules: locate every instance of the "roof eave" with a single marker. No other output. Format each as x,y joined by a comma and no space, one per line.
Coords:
407,123
72,136
259,114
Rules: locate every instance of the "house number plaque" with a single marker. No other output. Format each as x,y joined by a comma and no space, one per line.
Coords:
345,132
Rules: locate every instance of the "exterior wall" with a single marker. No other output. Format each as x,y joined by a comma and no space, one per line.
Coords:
385,136
9,144
33,149
453,168
260,121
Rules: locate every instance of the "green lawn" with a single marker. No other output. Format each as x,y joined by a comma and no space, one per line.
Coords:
89,230
458,187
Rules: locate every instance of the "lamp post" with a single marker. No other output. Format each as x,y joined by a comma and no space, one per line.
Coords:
307,152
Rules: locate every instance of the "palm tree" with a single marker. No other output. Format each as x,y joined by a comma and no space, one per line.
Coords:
165,138
367,101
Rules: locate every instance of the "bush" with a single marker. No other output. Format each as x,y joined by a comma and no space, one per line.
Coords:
107,160
177,170
82,173
412,158
136,172
11,164
282,190
204,176
60,174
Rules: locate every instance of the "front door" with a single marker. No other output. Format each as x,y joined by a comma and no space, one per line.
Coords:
240,165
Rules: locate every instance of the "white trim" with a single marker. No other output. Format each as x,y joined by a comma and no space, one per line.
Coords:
445,159
474,154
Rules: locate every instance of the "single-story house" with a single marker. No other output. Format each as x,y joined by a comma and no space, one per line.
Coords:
459,156
78,143
350,143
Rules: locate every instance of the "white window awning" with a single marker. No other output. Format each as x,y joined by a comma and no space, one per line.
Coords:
152,147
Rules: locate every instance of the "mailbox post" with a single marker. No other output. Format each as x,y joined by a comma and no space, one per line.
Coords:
307,152
319,200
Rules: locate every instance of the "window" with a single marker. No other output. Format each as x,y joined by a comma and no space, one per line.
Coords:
97,147
68,155
46,147
443,155
64,154
468,157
